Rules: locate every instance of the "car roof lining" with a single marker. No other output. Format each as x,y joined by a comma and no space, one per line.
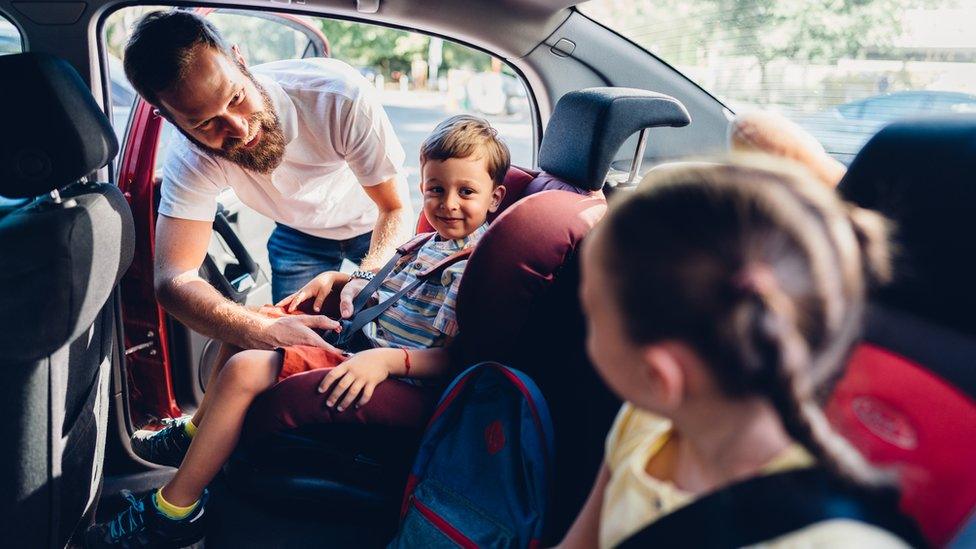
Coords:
507,28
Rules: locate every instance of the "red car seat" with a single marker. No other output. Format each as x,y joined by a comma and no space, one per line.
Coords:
907,399
517,304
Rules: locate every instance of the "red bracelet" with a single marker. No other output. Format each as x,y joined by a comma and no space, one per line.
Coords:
406,363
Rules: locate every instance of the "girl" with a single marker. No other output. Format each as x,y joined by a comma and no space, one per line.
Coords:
722,301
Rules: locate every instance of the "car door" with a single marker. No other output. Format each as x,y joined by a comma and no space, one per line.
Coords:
166,363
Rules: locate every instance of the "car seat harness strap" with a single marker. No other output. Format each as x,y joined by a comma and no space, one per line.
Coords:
362,316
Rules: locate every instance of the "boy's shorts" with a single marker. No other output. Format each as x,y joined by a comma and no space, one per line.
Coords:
303,358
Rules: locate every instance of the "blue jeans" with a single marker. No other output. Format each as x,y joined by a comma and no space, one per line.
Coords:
297,258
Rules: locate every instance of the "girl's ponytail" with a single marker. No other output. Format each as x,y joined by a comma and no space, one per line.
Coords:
871,230
783,355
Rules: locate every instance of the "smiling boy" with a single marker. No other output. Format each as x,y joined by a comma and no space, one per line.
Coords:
463,165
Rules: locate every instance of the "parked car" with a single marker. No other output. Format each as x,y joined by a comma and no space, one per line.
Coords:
844,129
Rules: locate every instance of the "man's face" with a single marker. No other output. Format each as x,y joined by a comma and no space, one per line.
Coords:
221,108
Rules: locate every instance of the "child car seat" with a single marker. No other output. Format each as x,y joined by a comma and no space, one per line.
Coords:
907,399
517,304
61,256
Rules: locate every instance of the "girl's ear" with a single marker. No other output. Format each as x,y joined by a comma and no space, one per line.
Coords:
666,371
497,196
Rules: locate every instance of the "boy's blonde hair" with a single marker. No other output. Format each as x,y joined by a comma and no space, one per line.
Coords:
464,136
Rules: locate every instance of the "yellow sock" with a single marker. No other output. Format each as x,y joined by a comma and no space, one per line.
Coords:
172,511
190,428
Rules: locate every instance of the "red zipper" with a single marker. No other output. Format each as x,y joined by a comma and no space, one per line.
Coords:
444,526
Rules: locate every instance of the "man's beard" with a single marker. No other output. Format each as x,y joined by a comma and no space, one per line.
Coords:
267,154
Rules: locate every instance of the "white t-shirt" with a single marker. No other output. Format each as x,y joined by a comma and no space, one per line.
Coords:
338,139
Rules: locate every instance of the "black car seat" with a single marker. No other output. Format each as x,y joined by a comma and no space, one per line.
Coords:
908,399
517,303
61,256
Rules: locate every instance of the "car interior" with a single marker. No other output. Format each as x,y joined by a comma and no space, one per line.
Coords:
90,356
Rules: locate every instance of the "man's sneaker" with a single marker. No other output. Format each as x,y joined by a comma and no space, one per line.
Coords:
166,446
142,525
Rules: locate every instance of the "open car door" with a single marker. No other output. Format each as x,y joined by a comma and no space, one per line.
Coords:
166,364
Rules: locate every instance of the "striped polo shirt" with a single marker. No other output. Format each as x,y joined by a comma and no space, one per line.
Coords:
424,317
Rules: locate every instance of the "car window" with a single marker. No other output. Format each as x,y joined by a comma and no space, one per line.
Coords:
425,79
841,69
10,39
262,40
10,42
422,79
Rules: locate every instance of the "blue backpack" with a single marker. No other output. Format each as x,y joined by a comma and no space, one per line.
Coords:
482,474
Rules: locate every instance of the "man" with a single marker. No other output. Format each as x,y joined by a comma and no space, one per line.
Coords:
304,142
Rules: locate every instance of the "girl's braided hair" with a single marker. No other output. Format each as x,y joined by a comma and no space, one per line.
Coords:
764,271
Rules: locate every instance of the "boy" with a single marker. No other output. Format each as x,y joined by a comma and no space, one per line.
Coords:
463,164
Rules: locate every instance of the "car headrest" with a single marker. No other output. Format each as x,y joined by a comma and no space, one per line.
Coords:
516,261
920,174
588,127
56,133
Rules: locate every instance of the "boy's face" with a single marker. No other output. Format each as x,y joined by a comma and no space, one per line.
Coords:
458,195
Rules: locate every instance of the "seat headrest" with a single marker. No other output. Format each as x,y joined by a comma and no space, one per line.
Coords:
516,261
56,133
920,174
588,127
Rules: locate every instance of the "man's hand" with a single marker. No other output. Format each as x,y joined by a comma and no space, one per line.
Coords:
348,294
354,378
298,330
318,288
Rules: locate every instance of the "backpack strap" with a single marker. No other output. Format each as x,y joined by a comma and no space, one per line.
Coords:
769,506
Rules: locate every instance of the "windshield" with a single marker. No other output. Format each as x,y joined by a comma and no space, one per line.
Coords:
840,68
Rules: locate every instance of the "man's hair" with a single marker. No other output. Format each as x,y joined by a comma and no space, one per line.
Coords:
161,48
464,136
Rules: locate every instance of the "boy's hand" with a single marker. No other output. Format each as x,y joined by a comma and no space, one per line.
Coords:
348,294
318,288
358,375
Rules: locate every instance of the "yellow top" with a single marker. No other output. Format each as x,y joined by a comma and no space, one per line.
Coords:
633,498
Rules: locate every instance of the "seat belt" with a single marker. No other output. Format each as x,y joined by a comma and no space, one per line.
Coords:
362,316
766,507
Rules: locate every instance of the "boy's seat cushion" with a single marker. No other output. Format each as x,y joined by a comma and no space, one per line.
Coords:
513,266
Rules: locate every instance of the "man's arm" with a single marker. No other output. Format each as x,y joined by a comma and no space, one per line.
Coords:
391,229
181,246
392,226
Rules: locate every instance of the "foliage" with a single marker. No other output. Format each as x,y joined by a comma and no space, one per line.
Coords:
815,31
389,50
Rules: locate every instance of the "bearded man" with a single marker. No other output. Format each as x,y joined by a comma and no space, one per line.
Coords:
304,142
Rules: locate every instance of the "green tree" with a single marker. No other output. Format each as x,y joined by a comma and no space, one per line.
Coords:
389,50
817,31
805,31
